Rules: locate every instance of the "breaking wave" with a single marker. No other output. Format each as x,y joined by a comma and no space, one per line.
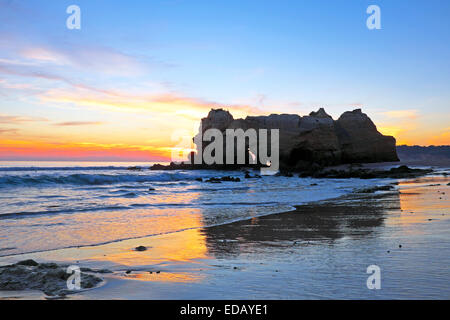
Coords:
89,179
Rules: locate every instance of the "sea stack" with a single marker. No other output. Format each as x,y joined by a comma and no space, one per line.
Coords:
316,138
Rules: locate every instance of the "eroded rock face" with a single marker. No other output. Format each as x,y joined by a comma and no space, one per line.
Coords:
316,138
360,140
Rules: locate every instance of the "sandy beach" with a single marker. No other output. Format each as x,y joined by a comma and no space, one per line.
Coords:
318,251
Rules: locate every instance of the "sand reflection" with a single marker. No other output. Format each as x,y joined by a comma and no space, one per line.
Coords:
168,258
175,248
423,199
325,222
184,277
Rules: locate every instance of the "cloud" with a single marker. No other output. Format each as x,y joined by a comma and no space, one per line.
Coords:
7,119
401,124
17,62
394,131
81,94
19,86
78,123
165,103
25,72
29,73
91,58
43,55
87,58
401,114
3,131
443,138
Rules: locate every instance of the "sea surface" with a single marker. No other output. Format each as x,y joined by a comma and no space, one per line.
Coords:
54,205
222,241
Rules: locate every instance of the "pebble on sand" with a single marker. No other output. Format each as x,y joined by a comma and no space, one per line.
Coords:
140,248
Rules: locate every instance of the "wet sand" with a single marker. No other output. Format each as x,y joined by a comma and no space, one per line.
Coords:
318,251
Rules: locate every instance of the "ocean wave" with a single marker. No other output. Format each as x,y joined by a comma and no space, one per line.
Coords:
25,214
97,168
100,207
88,179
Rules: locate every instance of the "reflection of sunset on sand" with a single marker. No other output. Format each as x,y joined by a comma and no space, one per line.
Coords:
166,277
423,199
170,252
177,248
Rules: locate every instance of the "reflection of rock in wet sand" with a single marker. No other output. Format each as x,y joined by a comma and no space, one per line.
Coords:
330,220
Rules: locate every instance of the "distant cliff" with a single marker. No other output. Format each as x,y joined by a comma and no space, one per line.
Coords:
315,139
432,155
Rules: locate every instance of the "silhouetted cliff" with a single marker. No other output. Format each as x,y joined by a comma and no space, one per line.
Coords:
432,155
314,139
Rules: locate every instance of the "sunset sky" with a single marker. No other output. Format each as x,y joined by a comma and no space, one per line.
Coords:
139,72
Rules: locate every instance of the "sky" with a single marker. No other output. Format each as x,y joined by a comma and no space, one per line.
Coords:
140,74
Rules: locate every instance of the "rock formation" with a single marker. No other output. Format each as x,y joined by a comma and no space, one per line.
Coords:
315,139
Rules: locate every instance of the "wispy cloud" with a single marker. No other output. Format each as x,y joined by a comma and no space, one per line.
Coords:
86,57
43,55
165,103
443,138
82,94
78,123
44,75
401,114
4,131
16,62
11,85
8,119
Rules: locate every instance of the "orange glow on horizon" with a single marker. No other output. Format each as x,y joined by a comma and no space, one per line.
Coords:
14,149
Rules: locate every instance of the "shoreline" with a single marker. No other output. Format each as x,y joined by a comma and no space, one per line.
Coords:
188,259
294,206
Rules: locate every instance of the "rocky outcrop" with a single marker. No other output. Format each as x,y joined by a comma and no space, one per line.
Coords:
49,278
360,140
316,138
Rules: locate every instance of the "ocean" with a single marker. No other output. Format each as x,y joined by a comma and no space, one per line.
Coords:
53,205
